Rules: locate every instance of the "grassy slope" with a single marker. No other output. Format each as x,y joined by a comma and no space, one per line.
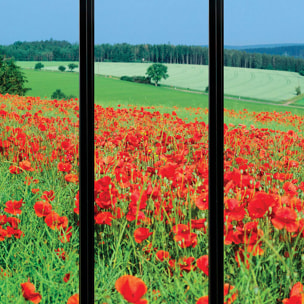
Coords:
111,92
253,83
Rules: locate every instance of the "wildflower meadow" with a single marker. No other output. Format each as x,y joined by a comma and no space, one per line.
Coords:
151,204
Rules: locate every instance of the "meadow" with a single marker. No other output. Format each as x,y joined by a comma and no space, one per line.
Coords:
151,196
111,92
151,202
251,83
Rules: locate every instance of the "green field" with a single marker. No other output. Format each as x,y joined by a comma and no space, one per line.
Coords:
112,92
252,83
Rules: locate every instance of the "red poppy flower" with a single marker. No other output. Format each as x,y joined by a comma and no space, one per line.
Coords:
102,184
66,144
198,224
28,291
74,299
162,255
64,167
183,236
14,170
72,178
141,234
53,220
298,299
285,217
42,208
203,264
203,300
202,202
3,219
296,289
13,221
186,264
181,229
290,189
25,165
13,207
131,288
104,201
296,295
48,195
66,277
76,210
227,290
17,233
235,212
168,171
104,218
260,204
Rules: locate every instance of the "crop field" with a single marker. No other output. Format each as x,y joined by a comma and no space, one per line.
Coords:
111,92
151,204
252,83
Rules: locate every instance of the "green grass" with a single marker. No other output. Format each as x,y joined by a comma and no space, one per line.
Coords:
112,92
116,252
250,83
300,102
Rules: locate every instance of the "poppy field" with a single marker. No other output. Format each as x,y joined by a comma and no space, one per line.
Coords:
151,204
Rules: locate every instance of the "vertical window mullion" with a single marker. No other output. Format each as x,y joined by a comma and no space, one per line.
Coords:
86,151
216,153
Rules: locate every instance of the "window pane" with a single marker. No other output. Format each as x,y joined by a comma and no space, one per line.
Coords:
151,151
39,239
263,150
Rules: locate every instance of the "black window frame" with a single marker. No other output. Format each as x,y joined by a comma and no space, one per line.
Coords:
215,141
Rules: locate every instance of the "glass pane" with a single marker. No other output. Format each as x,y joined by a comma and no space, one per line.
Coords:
39,152
263,151
151,188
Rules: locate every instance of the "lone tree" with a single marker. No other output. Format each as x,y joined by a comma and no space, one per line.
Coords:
156,72
39,66
72,66
12,80
61,68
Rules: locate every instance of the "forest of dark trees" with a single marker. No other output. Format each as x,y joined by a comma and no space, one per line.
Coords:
52,50
291,50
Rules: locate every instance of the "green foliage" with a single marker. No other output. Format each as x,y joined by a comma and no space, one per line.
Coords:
156,72
58,94
207,89
39,66
61,68
298,90
301,73
258,58
12,80
138,79
72,66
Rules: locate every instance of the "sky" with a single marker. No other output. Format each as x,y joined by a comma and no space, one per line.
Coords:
246,22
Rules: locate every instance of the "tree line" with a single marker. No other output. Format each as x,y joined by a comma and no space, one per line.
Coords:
290,50
52,50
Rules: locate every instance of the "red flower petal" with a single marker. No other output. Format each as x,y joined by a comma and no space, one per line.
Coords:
131,288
